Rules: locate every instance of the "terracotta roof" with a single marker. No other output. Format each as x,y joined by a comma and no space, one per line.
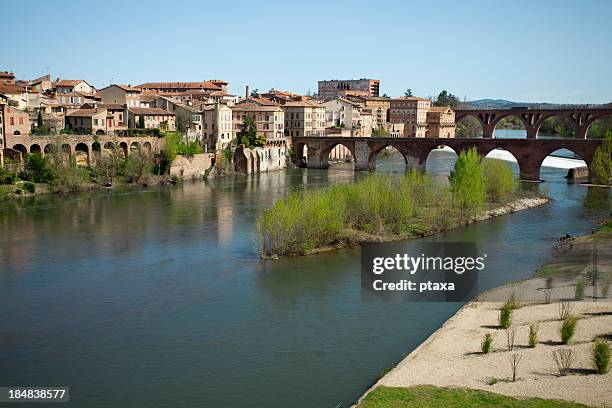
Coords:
258,101
150,111
171,85
126,88
148,97
85,112
68,82
8,88
410,98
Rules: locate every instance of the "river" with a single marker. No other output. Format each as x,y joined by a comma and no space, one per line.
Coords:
157,298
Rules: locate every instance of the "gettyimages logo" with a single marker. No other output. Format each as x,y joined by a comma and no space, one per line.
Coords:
425,272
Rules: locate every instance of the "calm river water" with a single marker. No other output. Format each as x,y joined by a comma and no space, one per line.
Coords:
157,298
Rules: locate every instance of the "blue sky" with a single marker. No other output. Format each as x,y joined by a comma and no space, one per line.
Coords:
548,51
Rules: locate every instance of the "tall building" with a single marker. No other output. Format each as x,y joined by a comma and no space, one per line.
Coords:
348,87
304,118
412,112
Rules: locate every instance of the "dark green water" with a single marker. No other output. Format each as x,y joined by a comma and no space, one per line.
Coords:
156,298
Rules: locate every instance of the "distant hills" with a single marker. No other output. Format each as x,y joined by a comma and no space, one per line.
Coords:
505,104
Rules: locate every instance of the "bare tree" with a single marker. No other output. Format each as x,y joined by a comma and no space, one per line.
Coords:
515,360
510,334
564,359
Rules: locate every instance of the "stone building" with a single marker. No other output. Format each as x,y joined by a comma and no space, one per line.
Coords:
412,112
217,129
440,122
378,105
154,118
345,114
269,120
304,118
121,94
16,121
90,121
336,88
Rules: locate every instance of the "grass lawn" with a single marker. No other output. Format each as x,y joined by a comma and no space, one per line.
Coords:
424,396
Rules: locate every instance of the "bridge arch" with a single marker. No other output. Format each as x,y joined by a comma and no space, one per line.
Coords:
499,153
329,149
387,149
509,121
35,148
597,127
147,147
444,156
553,124
468,126
583,163
301,154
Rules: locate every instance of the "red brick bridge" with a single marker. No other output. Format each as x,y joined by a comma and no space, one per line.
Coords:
581,119
529,153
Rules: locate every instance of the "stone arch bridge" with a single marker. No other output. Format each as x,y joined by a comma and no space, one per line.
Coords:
313,152
87,145
581,119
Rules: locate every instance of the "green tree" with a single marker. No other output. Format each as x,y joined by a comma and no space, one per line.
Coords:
37,169
141,121
446,99
499,180
248,134
467,183
408,92
601,167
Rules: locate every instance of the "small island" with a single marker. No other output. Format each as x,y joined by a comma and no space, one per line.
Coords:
382,208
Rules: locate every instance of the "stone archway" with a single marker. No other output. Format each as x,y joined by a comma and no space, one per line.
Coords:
81,154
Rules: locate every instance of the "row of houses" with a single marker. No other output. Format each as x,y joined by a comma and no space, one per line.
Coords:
205,112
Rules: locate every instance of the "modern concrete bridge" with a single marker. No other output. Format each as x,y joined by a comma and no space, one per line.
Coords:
529,153
580,118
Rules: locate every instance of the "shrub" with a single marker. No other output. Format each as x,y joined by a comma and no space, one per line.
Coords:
29,187
37,169
499,181
579,290
601,166
467,183
505,317
565,310
564,359
533,334
601,356
549,283
568,328
487,342
511,302
7,177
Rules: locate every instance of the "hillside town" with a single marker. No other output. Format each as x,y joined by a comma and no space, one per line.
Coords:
204,112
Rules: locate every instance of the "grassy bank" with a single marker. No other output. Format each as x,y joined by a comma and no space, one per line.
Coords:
424,396
384,208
